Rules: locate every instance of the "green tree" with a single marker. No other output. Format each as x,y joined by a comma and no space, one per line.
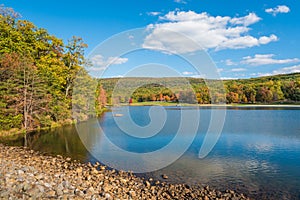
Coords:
74,60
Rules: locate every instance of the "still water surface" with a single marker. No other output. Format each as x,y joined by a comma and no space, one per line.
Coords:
258,152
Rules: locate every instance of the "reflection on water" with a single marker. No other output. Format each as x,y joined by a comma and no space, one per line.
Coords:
58,141
258,152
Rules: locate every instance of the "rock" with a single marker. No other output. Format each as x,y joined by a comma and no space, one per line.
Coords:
78,192
59,192
94,171
48,185
33,192
88,177
66,191
147,183
122,180
79,170
90,191
96,164
47,177
107,196
132,193
106,188
41,188
26,186
51,193
164,176
39,177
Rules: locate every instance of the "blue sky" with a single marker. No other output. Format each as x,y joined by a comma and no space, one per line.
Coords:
244,39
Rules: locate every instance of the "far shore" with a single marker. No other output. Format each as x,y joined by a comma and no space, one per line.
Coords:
162,103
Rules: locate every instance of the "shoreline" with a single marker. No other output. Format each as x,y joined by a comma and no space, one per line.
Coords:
212,105
25,173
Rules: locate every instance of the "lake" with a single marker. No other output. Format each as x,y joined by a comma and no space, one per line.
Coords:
258,152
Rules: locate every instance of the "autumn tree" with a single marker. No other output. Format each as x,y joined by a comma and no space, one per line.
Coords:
102,98
264,95
232,97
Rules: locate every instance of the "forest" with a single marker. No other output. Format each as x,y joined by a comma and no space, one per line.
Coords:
38,72
262,90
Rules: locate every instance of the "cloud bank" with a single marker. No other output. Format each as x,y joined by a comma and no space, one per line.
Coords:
266,59
211,32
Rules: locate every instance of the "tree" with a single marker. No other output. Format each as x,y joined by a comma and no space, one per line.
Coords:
74,60
102,98
264,95
10,110
28,91
291,90
232,97
167,98
84,99
250,93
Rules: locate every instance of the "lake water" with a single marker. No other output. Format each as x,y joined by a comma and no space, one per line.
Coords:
258,152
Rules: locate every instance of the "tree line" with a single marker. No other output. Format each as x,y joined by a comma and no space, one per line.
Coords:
271,89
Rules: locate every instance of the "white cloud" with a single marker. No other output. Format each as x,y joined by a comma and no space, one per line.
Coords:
266,59
266,40
285,70
100,63
180,1
278,9
183,32
228,78
187,73
246,41
252,18
238,69
229,62
153,13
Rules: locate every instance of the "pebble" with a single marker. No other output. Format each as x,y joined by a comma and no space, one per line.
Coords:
43,177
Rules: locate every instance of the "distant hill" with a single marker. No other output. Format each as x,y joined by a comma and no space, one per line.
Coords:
269,89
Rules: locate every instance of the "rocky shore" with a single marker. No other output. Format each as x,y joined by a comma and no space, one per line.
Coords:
26,174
